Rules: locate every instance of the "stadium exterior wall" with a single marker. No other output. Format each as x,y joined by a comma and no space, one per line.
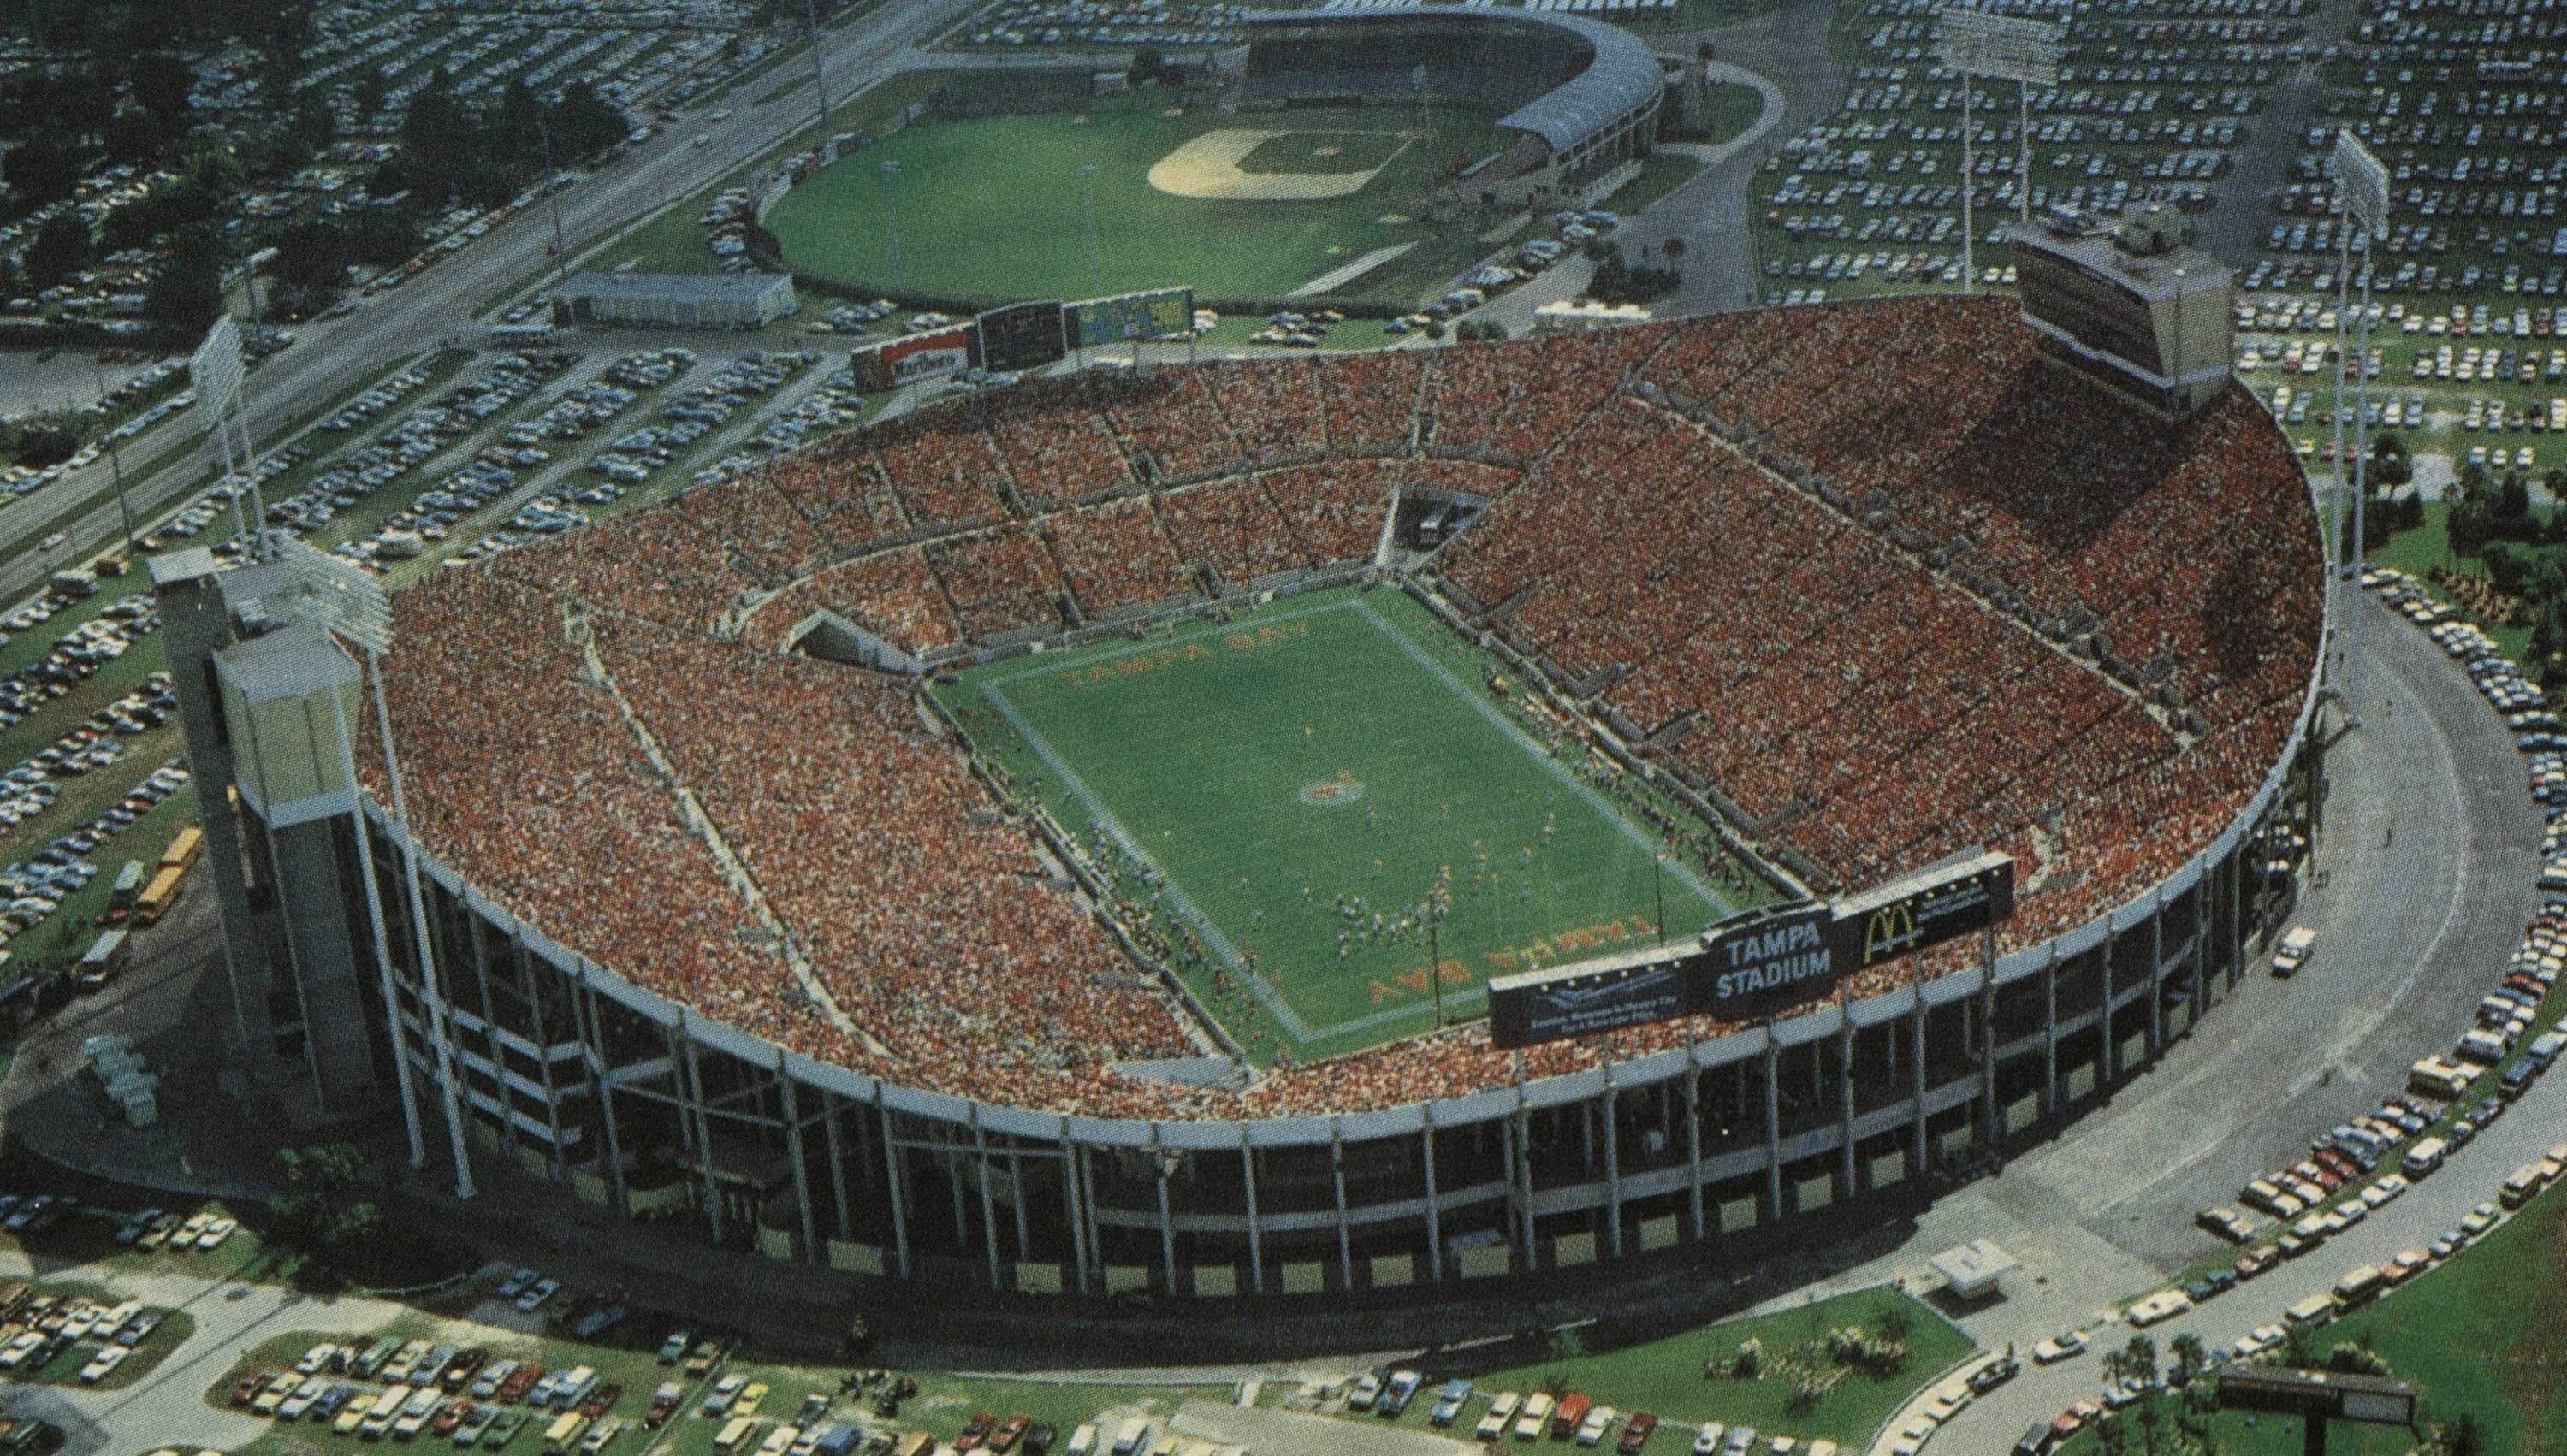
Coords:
559,1065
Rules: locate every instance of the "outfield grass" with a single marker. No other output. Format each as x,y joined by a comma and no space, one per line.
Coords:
992,206
1337,744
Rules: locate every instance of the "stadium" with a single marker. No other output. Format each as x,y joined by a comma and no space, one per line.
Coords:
922,857
1323,146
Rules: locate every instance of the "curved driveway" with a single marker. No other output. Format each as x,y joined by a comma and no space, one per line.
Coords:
2428,855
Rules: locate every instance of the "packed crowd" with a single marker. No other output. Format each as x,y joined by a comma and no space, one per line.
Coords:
2049,625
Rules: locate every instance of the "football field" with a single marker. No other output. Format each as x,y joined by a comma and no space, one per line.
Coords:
1300,787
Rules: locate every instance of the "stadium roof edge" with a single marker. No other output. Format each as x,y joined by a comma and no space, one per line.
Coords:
1621,72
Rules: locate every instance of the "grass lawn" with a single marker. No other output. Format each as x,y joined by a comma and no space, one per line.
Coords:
176,1326
1660,175
1334,744
2429,546
1729,109
1665,1376
2478,1334
991,206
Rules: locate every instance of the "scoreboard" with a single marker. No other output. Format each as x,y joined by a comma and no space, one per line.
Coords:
1019,336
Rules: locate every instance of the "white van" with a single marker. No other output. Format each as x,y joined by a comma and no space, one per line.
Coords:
2424,1157
2293,950
1082,1443
1135,1434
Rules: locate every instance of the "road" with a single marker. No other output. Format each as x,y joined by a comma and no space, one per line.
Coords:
332,354
2412,931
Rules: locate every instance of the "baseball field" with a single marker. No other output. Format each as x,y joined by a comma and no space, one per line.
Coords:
1245,205
1304,790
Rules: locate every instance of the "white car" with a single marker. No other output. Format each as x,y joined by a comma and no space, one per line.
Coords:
2052,1351
215,1232
1706,1442
533,1299
2262,1339
104,1362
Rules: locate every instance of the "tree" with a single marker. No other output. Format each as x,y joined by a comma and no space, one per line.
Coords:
188,290
2139,1359
39,446
60,249
160,86
321,1210
2191,1357
41,169
585,124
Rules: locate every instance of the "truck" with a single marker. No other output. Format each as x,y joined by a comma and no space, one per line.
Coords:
2293,950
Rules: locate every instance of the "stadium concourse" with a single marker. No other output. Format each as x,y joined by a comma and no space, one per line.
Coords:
1946,594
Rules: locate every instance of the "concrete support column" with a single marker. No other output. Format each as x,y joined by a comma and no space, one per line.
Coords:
1607,1104
989,1204
1773,1127
1080,1252
2050,1035
1916,1069
1434,1212
892,1184
1255,1244
793,1150
1346,1231
835,1146
1845,1100
1693,1144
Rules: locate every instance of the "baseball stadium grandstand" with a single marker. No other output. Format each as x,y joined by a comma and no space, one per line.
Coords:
1057,842
1580,98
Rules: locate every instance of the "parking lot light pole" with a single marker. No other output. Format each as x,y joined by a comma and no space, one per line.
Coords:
115,458
819,71
553,198
891,215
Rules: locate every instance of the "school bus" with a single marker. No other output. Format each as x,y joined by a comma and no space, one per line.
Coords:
157,896
183,849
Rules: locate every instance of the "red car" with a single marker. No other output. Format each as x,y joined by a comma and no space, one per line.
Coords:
600,1400
444,1421
976,1432
247,1389
1009,1431
1635,1434
519,1381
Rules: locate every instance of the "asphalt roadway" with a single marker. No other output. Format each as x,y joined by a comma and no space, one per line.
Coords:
2424,880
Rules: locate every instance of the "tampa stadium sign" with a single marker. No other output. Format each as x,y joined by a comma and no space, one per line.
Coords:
1757,964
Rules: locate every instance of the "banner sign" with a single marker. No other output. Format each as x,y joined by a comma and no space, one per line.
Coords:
928,355
1157,314
1754,965
214,370
1925,909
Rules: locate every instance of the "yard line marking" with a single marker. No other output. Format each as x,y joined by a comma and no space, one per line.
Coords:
1266,993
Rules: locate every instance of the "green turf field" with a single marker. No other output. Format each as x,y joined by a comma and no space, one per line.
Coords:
991,205
1324,152
1338,745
